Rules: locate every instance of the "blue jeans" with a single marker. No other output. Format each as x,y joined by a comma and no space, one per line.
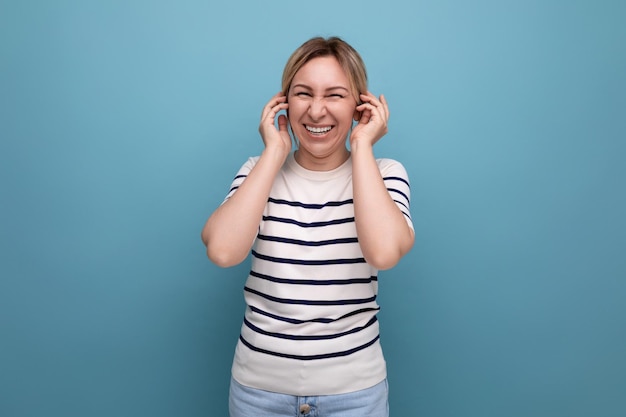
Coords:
251,402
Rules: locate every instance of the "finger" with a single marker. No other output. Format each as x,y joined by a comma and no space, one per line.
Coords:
367,97
383,101
366,115
370,99
278,99
270,114
379,105
282,123
375,112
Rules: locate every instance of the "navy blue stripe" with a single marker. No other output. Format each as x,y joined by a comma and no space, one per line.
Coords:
397,179
310,206
314,224
306,242
309,337
311,302
394,190
316,320
235,179
402,204
308,262
310,357
315,281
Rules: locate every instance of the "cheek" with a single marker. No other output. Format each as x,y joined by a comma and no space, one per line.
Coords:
295,110
343,112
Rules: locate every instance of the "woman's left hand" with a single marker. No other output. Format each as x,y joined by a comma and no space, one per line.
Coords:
372,124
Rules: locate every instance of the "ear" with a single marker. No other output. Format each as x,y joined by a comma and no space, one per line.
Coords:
357,114
288,120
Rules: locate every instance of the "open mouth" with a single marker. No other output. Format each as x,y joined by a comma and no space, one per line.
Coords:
318,130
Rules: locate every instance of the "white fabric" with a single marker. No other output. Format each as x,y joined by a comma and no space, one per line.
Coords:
310,324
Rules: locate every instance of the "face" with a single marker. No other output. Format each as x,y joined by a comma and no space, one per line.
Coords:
321,111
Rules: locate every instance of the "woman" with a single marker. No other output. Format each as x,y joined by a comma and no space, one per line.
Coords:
320,222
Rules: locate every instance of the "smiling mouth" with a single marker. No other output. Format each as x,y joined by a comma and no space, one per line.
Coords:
318,130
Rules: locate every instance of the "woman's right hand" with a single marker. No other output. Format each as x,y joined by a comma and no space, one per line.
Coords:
232,228
273,137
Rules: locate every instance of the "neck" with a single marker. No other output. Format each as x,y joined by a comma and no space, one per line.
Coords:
326,163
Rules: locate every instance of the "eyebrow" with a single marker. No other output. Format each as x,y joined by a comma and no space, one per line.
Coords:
338,87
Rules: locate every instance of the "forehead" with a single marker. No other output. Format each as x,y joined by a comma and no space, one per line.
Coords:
324,72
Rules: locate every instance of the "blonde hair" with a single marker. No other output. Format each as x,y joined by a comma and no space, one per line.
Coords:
346,55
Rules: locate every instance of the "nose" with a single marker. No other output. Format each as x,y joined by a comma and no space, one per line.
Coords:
317,108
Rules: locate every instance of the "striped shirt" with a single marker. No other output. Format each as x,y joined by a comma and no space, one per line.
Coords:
310,325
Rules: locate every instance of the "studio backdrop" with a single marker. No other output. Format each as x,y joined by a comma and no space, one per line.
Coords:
122,124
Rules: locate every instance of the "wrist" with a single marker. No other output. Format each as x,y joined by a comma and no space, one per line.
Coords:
277,153
361,147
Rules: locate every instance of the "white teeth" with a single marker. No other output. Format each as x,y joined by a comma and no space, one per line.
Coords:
318,129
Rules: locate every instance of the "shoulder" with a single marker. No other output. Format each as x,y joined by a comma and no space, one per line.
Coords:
248,165
391,167
251,161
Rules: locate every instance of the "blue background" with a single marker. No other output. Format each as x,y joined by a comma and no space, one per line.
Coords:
122,124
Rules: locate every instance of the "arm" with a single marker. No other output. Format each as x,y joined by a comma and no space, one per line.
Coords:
230,231
383,232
